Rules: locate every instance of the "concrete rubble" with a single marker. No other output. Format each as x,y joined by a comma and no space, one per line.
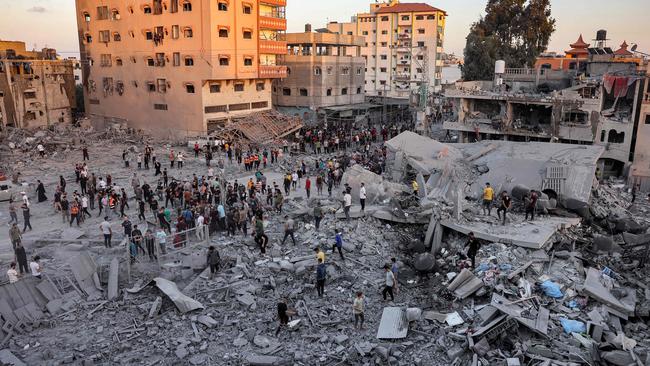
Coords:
589,244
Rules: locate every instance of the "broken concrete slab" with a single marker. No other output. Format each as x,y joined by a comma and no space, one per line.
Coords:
393,324
465,284
207,321
72,234
9,359
113,278
260,360
84,270
539,324
595,289
184,303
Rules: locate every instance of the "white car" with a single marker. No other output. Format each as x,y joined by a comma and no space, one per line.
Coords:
7,191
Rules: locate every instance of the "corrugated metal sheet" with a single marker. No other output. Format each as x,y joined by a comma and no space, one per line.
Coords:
393,324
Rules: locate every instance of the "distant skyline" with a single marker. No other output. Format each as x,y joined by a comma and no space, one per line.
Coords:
52,23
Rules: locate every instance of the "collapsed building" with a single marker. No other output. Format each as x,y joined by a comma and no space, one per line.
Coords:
36,88
596,101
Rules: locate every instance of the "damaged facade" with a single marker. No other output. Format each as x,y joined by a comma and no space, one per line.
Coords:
36,88
403,49
596,101
185,67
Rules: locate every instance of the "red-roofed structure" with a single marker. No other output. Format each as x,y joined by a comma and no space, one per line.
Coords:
578,49
408,8
623,50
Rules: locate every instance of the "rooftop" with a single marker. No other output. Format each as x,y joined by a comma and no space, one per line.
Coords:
408,8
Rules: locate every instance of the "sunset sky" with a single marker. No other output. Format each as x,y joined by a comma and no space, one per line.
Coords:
52,23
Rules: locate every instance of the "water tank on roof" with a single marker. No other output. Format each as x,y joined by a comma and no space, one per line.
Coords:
601,35
500,67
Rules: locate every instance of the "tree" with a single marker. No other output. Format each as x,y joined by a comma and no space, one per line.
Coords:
515,31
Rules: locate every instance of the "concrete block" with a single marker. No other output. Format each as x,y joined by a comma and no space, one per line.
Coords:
207,321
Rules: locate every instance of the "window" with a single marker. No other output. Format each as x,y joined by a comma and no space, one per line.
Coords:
421,31
160,107
259,105
174,6
358,71
187,32
382,69
406,17
304,92
317,71
151,87
189,88
189,61
260,86
286,91
350,33
148,35
160,59
215,88
115,14
647,119
420,57
117,37
162,85
223,33
151,61
419,70
187,6
146,9
344,91
431,17
383,57
421,44
239,107
176,31
419,17
345,71
30,95
248,9
365,33
86,17
176,59
239,87
89,38
329,92
329,70
222,6
384,32
248,61
382,82
118,62
384,19
248,34
358,90
216,109
104,36
102,13
106,60
224,61
384,44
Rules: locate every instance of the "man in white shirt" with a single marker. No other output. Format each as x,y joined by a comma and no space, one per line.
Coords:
390,283
35,267
84,206
25,198
105,226
162,240
12,274
102,184
199,227
362,196
347,203
41,150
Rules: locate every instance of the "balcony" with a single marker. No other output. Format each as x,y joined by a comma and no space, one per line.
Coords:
273,47
274,2
273,21
272,72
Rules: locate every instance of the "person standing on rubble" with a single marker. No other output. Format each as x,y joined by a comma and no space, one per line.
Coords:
74,213
474,245
531,205
150,243
179,160
12,274
213,260
12,212
161,237
338,244
506,203
21,258
362,196
358,309
389,283
282,314
488,197
36,268
105,227
347,204
308,187
137,237
635,189
15,235
41,150
40,191
128,227
289,228
321,274
318,214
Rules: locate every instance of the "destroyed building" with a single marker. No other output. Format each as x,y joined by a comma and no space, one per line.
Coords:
595,102
36,88
204,64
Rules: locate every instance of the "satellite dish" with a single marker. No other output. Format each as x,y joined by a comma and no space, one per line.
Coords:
634,46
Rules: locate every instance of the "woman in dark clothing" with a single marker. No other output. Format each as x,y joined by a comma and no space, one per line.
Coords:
40,190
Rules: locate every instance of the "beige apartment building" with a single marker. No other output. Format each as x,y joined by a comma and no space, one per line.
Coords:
640,172
324,70
403,46
179,66
36,88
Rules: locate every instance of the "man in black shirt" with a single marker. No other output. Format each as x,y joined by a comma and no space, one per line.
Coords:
506,203
282,314
474,246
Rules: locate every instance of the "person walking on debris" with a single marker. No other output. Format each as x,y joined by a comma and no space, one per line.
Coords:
289,228
362,196
262,241
338,244
137,238
389,283
21,258
161,236
531,204
635,189
347,203
213,260
506,203
488,197
12,274
318,214
279,200
320,255
150,243
26,217
308,187
15,235
40,191
12,212
128,227
84,151
319,185
321,274
282,314
74,213
474,245
105,227
358,309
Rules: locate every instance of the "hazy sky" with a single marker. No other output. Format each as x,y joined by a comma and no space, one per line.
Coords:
52,22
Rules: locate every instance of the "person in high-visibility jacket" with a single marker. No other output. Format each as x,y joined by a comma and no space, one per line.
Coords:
416,187
488,197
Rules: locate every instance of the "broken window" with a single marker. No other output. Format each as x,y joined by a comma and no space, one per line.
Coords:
161,85
146,9
118,62
239,87
187,6
86,16
616,138
102,13
189,61
107,84
115,14
151,61
344,91
189,88
618,99
224,61
223,33
329,92
160,59
117,37
119,87
30,95
345,71
187,32
104,36
304,92
148,35
248,61
160,107
576,117
261,86
286,91
222,6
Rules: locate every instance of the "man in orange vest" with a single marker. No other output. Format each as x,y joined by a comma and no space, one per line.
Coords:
74,213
